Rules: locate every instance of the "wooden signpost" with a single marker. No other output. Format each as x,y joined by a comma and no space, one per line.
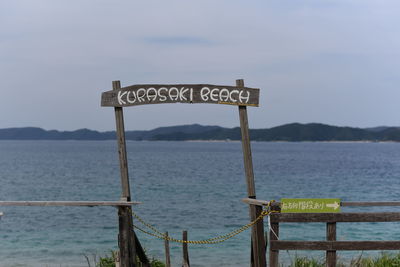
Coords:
143,94
180,93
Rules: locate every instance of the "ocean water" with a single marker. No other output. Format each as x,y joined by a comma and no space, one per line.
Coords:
194,186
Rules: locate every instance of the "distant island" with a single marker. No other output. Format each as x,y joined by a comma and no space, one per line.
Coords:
294,132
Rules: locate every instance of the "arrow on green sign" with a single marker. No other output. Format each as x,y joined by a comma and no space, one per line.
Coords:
310,205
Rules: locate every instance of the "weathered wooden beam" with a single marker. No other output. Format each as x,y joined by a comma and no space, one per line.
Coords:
336,217
259,202
370,204
141,253
127,259
262,203
69,203
144,94
257,230
127,239
123,159
185,250
334,245
167,252
331,236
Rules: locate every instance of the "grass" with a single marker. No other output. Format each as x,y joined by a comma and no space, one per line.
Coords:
109,261
384,260
306,262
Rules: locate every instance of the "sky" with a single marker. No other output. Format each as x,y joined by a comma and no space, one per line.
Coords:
328,61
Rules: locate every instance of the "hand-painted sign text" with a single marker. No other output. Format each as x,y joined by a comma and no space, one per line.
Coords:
180,93
310,205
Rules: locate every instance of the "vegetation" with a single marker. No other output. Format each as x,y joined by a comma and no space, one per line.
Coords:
384,260
293,132
156,263
306,262
109,261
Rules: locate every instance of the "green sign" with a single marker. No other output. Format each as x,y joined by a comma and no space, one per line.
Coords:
310,205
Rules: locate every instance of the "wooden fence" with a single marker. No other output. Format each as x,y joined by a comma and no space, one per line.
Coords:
330,245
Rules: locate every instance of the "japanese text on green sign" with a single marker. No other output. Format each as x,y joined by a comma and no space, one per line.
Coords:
310,205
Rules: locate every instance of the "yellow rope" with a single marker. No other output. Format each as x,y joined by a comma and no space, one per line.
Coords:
219,239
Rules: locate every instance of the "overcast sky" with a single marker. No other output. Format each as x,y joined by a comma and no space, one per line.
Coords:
328,61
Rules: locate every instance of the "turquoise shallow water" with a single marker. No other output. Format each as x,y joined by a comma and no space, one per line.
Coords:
194,186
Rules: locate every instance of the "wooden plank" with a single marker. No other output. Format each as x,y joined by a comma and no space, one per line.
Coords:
185,262
331,236
127,259
263,203
123,161
257,202
68,203
257,230
141,253
335,245
167,252
247,157
258,241
370,204
343,203
144,94
127,242
337,217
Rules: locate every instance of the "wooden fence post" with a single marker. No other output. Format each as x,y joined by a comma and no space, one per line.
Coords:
186,262
124,242
126,233
167,254
331,236
257,231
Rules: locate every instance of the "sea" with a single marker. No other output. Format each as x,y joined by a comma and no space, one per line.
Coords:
193,186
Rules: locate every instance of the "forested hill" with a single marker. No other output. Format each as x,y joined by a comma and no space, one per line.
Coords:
289,132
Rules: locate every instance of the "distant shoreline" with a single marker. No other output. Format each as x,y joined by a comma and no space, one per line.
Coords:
294,132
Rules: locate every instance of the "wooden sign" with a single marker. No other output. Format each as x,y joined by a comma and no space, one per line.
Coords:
310,205
143,94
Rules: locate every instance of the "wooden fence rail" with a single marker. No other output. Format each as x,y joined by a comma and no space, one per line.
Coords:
69,203
331,245
259,202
